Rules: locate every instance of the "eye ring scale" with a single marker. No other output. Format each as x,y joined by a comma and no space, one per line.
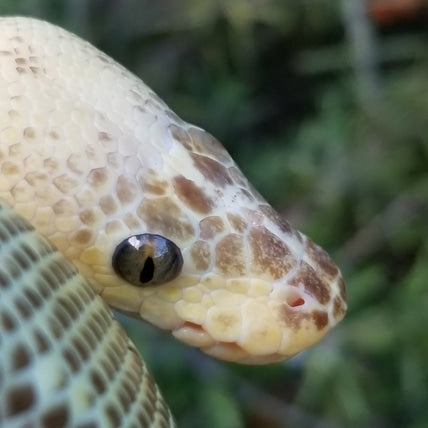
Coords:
147,259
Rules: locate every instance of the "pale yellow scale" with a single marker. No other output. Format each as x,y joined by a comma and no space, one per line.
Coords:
90,156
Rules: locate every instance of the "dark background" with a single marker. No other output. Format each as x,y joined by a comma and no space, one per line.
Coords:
324,105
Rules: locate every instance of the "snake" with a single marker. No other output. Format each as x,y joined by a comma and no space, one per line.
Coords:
107,197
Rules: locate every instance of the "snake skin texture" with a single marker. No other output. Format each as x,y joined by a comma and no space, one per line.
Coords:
89,155
65,361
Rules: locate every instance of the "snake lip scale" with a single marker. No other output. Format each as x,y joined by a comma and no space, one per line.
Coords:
91,157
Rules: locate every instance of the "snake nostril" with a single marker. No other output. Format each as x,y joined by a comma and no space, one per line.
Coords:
294,300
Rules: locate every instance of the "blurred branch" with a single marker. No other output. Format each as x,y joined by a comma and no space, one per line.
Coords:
401,211
274,412
334,59
364,52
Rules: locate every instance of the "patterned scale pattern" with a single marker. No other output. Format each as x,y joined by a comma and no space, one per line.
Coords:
65,361
90,156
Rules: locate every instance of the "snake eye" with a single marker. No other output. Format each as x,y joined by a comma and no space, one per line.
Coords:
147,259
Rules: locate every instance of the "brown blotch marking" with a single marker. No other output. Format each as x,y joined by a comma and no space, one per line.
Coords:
81,237
33,297
247,195
108,205
237,222
136,96
97,177
205,143
201,255
72,359
230,256
338,307
342,289
87,217
53,134
307,277
55,417
56,329
283,224
20,61
98,381
152,184
114,159
4,279
104,136
270,256
142,109
29,133
129,385
23,307
19,398
51,165
64,183
112,227
13,114
16,149
21,70
212,170
18,39
90,152
20,357
192,195
62,318
131,221
63,206
77,302
154,189
293,318
163,216
143,419
126,189
320,318
5,53
36,178
237,176
80,348
35,70
124,399
322,259
75,163
9,168
179,134
103,58
210,227
42,342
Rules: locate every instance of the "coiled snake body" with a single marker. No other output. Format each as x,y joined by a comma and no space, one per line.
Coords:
156,217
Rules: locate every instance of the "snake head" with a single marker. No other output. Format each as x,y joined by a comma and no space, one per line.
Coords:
251,288
93,158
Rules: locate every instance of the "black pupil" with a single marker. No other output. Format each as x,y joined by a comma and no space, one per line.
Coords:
148,271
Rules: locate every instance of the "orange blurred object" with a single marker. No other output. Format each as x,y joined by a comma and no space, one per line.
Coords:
387,11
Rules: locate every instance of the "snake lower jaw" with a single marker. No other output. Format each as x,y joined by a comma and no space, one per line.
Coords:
195,335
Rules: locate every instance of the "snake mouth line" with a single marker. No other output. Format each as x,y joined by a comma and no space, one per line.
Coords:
195,335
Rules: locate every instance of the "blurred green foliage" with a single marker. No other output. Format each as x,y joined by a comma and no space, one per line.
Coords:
276,81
